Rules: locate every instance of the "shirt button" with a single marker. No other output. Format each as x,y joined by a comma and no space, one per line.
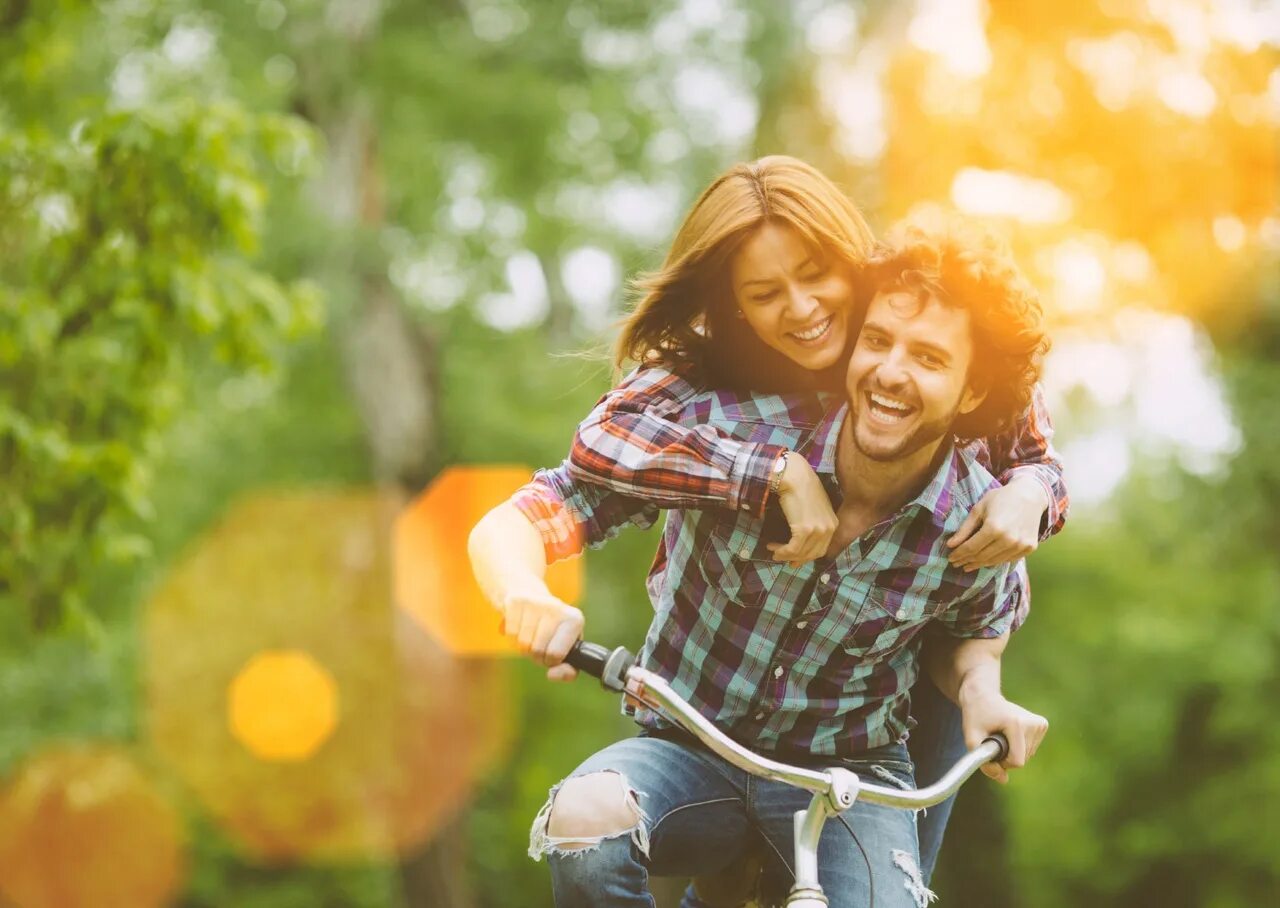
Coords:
777,672
801,625
759,716
825,577
745,506
902,614
744,553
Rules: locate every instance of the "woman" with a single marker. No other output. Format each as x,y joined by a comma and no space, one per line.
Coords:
760,292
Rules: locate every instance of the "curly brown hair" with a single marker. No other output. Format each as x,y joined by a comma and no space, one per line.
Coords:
964,265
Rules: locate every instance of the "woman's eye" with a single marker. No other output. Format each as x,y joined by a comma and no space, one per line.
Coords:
764,297
816,275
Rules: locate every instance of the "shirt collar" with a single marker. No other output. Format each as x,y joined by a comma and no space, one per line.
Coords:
935,498
938,494
821,452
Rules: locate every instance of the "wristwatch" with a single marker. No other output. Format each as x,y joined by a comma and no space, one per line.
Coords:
775,477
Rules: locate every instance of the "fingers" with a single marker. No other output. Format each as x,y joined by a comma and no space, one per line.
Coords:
982,536
1038,728
529,618
990,546
542,626
1001,552
967,529
982,553
1025,734
807,543
562,672
563,636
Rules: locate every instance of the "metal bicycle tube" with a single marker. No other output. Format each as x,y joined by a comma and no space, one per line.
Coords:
808,832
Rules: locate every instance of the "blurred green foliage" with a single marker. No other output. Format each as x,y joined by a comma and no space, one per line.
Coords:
126,254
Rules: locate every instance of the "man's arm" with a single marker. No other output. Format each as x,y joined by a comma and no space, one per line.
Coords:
964,661
967,671
509,562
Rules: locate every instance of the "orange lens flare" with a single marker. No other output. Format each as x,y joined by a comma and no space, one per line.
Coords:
433,579
282,705
82,827
313,720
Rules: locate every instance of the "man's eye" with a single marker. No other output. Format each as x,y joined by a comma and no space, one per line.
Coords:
875,343
931,361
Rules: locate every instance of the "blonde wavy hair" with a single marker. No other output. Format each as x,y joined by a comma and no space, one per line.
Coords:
683,319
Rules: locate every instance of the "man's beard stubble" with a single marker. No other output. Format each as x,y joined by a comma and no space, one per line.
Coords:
924,434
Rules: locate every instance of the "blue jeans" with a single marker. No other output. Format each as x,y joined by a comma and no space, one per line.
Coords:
699,813
936,743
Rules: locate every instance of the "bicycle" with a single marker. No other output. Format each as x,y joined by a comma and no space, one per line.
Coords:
834,790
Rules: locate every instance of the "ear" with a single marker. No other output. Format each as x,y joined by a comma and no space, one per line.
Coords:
972,398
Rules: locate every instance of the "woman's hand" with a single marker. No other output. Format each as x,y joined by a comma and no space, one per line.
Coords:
543,627
808,511
1004,526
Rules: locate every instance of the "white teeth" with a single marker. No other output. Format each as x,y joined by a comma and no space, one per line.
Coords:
815,332
889,404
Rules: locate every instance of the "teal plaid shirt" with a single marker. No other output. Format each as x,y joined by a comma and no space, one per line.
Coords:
818,659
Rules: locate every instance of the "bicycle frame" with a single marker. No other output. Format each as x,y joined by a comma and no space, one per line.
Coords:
834,790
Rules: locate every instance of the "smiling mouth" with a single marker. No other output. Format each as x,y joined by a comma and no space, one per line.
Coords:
887,410
814,333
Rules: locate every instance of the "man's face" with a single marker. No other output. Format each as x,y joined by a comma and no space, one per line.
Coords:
908,376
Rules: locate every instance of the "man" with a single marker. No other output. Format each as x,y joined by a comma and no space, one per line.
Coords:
812,663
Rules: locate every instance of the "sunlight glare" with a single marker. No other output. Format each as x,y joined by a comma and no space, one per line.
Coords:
1078,274
1002,193
853,93
1229,233
954,30
1187,92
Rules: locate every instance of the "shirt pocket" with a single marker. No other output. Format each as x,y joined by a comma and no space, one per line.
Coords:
887,622
737,566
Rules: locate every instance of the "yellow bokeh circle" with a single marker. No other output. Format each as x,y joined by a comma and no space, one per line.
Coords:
282,705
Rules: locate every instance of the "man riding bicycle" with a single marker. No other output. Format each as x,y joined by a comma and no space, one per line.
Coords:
809,663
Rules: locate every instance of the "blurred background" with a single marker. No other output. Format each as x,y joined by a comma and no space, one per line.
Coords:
291,291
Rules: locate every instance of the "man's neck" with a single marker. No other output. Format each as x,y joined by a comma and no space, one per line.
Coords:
880,487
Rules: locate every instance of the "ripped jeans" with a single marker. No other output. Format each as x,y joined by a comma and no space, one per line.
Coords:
695,813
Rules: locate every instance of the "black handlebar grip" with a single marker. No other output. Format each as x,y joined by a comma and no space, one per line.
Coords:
588,657
609,665
1004,746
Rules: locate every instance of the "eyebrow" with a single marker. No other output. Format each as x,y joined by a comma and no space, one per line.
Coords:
940,352
807,260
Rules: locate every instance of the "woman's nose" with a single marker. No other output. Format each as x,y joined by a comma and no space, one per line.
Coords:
800,305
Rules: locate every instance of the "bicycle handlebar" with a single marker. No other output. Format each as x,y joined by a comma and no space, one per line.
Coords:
617,671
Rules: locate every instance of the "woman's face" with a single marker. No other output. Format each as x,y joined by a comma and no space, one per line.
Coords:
795,298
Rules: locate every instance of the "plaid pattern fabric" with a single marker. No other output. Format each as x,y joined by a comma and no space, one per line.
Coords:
647,439
817,659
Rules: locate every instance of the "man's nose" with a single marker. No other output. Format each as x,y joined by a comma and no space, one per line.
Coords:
892,371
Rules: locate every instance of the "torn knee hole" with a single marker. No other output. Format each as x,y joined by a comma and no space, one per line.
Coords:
586,810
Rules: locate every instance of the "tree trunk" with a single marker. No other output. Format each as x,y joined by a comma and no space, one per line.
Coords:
390,365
